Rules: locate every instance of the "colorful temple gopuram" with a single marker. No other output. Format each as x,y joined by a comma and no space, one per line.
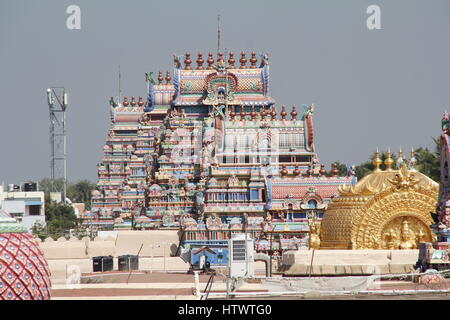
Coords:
436,255
442,226
207,152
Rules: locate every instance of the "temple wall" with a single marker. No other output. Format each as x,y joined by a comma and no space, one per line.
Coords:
61,269
349,257
64,256
355,262
155,243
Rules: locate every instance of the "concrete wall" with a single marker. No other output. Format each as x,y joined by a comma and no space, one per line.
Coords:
153,243
14,206
356,262
351,257
157,242
62,269
64,256
17,200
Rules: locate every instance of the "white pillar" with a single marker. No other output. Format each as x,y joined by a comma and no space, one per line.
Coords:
153,255
164,255
197,284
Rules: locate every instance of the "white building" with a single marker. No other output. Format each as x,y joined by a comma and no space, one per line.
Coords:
27,207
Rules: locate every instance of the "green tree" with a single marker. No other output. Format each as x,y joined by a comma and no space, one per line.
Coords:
60,219
81,192
77,192
363,169
428,163
39,230
342,167
81,232
46,185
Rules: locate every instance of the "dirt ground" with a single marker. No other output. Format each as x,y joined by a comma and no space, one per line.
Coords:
181,284
140,277
423,296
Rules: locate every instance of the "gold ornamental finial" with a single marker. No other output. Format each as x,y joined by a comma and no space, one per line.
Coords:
377,161
388,161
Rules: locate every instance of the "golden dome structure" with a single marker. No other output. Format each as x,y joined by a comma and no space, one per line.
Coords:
387,209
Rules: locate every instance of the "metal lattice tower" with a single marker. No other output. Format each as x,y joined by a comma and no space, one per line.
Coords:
57,103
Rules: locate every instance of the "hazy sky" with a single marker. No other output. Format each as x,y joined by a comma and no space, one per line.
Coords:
371,88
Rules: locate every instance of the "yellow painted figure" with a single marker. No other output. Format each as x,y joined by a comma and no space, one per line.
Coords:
314,233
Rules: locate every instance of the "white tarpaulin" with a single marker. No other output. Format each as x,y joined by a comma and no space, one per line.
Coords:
319,284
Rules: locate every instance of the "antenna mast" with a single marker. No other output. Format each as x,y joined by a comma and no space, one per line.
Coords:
218,33
57,103
120,89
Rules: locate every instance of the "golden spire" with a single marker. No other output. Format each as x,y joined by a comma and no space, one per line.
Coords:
388,161
377,161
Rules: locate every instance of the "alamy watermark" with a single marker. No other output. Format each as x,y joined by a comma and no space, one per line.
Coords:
373,21
73,21
73,277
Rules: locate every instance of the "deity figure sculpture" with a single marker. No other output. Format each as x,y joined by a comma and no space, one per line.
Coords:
213,222
233,181
314,233
445,124
407,240
145,119
420,237
391,239
199,199
445,216
183,114
214,162
207,154
202,183
177,61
